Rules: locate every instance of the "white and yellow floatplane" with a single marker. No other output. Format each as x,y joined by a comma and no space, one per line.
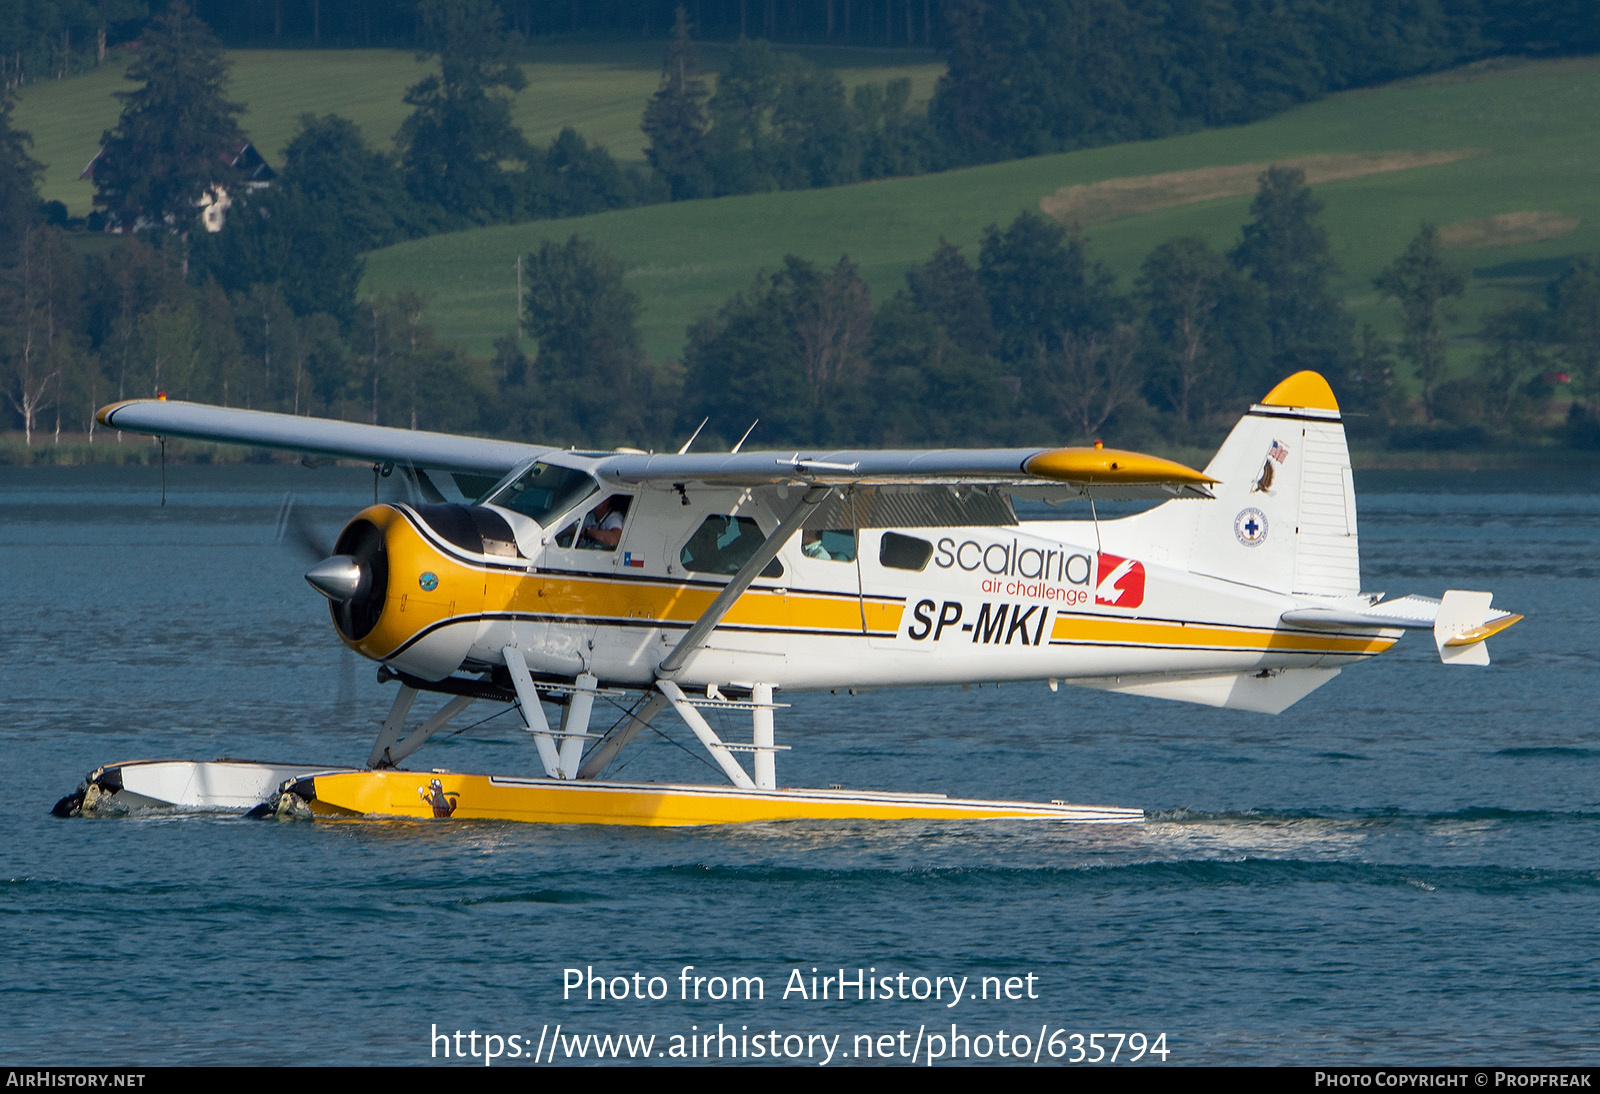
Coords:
688,581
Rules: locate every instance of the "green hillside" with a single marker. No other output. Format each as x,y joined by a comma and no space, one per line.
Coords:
1515,141
598,89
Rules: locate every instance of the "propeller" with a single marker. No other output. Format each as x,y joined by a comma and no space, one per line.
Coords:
351,572
296,530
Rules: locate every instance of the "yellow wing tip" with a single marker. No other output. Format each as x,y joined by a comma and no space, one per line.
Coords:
1110,465
1304,389
103,415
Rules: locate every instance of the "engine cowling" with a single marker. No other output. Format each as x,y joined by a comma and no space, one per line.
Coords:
406,583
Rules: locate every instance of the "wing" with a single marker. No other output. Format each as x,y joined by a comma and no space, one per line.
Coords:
1085,472
884,488
932,488
319,436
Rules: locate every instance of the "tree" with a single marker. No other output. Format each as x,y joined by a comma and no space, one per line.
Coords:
334,167
1286,252
454,142
37,293
1422,281
1575,310
1040,286
1200,315
586,322
926,387
1093,374
742,363
19,183
1514,341
335,199
177,133
675,118
830,316
946,289
744,143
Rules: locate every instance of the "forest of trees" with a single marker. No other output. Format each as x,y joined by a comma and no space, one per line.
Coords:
1026,340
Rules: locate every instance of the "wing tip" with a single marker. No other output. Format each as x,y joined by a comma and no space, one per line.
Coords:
1111,466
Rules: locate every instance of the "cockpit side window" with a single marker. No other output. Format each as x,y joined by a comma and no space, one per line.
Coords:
722,544
602,525
545,491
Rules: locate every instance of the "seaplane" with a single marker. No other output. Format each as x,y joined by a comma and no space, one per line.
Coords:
639,583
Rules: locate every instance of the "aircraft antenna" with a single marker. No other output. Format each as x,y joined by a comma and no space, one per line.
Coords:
746,436
693,435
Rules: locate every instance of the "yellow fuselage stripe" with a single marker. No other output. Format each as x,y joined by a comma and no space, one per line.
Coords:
1151,632
466,590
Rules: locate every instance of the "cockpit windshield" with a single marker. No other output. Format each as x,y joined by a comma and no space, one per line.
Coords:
545,491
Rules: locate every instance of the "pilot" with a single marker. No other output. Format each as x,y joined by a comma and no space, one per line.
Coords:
602,526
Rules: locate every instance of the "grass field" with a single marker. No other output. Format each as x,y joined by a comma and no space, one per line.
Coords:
1506,154
598,89
1503,155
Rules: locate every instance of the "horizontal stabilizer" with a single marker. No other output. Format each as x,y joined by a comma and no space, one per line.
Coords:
1460,622
1262,692
1404,611
1465,620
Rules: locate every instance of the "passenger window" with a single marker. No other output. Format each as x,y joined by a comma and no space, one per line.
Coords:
829,544
722,544
904,552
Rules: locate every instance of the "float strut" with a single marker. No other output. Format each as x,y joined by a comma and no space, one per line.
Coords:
765,758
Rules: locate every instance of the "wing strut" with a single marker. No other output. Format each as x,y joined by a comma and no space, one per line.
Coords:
697,635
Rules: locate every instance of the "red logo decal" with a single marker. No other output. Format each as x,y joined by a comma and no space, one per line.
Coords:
1119,582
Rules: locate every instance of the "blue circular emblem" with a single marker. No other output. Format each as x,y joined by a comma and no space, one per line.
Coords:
1250,526
429,581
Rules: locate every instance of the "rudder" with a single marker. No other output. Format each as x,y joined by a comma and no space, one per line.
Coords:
1284,518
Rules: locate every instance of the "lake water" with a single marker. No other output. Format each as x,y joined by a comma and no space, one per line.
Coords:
1402,868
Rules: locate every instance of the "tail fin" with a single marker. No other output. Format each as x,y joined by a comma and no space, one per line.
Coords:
1284,518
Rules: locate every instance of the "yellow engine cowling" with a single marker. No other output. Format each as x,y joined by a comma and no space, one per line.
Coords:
419,599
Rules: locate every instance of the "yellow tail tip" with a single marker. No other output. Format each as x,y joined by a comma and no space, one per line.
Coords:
1305,389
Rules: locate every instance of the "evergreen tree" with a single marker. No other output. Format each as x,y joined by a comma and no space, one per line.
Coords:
177,133
1285,250
19,184
675,118
589,364
1423,283
946,289
460,131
